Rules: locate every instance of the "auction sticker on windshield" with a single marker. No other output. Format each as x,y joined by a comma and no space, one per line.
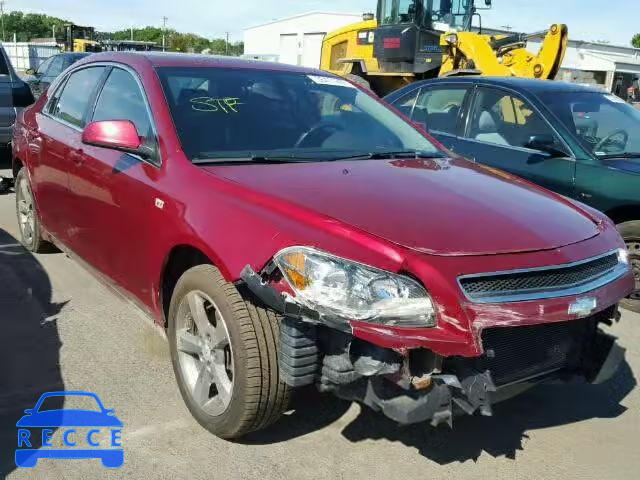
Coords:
52,432
336,82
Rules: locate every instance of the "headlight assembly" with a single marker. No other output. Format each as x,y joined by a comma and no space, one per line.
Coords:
353,291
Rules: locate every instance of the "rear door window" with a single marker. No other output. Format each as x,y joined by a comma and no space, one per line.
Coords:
72,104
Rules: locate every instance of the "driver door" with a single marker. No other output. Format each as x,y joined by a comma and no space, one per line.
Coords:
497,134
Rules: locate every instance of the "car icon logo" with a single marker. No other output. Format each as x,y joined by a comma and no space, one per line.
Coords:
583,306
67,422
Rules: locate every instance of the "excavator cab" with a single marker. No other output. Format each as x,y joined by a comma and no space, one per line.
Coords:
408,35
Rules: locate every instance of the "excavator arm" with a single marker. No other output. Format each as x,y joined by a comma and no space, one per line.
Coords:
468,53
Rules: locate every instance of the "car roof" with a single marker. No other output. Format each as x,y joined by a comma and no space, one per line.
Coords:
73,54
169,59
533,85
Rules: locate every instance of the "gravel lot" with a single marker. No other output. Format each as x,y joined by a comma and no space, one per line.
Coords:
62,330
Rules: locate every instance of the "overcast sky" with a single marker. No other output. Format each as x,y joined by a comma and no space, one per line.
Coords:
587,19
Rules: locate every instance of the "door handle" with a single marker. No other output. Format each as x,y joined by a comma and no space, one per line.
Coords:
76,157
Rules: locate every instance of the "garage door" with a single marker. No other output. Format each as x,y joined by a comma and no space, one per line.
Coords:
289,49
311,49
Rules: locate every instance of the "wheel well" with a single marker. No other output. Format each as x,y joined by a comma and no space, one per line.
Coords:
624,214
181,258
17,165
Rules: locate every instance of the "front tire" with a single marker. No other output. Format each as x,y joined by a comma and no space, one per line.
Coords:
630,232
224,355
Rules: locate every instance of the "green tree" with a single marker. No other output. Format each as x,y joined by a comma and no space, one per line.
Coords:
26,26
635,41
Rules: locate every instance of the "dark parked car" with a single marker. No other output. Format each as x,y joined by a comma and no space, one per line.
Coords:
40,79
14,96
289,229
575,140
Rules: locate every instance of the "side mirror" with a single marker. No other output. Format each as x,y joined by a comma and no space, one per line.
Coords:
119,135
487,3
545,143
29,411
30,71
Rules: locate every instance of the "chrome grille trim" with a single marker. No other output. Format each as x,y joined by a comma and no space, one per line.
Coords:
521,295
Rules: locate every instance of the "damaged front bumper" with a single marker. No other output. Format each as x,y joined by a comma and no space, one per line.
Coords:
418,385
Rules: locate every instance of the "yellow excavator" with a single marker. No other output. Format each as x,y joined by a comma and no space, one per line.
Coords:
416,39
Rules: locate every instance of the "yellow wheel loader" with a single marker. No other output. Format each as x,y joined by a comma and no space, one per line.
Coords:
416,39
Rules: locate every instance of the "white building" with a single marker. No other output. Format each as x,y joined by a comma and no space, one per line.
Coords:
295,40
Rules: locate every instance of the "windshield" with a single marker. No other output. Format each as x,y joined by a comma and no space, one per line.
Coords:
605,124
240,113
455,13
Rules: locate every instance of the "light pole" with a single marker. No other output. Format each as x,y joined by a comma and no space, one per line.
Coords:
164,31
2,17
226,45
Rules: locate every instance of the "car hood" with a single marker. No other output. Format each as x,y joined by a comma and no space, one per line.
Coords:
626,164
438,206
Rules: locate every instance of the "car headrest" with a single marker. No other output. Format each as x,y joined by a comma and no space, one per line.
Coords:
486,123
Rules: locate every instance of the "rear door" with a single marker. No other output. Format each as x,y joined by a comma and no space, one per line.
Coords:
114,195
498,127
438,109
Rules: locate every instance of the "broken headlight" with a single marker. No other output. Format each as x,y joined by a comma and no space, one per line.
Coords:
353,291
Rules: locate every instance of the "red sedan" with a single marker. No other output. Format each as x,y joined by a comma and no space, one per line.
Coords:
289,229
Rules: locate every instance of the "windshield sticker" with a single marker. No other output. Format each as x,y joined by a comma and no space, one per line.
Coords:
335,82
614,99
209,104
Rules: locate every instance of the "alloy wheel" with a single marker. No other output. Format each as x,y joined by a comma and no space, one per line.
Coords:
26,214
204,352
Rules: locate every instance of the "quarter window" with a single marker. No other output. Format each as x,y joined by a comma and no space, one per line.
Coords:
121,99
505,119
71,106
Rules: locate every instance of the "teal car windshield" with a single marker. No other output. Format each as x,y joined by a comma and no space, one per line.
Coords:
604,123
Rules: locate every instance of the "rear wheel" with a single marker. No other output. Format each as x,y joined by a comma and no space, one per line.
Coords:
630,231
224,355
28,219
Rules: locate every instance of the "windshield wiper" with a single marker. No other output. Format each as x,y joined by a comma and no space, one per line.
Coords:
620,155
391,155
249,159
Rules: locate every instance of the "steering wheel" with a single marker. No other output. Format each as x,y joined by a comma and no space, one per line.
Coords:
318,134
608,138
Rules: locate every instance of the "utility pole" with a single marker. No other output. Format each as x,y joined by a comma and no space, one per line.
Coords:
2,17
164,33
226,45
132,33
